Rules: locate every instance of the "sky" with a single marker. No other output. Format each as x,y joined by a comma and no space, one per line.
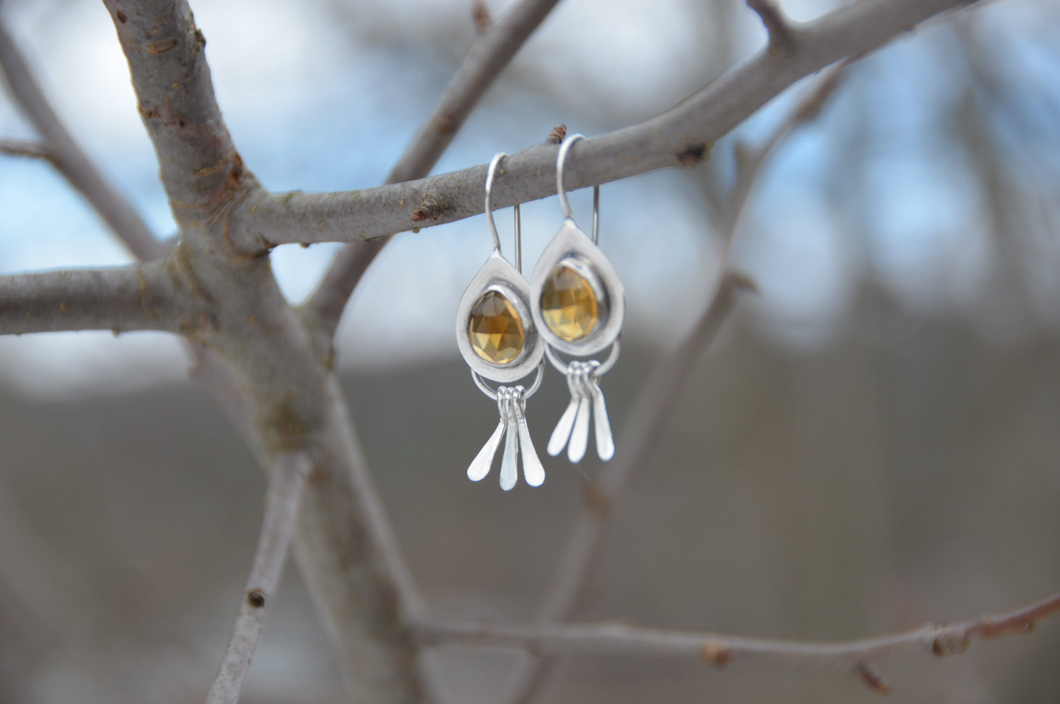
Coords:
324,95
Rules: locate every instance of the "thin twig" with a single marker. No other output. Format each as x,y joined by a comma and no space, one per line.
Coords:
358,601
657,398
852,657
338,284
867,671
370,503
352,563
749,163
557,135
71,161
137,297
286,484
273,388
584,542
279,386
368,625
25,147
491,53
679,137
781,34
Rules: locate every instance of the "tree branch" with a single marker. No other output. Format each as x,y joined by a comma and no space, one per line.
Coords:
344,545
749,162
287,481
657,398
201,170
211,371
581,553
26,148
354,568
61,149
490,55
492,52
282,388
333,293
853,657
681,136
781,38
139,297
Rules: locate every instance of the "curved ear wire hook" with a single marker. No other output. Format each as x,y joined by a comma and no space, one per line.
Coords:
561,161
490,175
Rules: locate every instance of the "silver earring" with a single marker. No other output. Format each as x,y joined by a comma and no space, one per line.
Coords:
496,334
578,306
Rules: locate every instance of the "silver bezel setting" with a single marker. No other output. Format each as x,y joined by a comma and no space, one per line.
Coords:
572,247
500,276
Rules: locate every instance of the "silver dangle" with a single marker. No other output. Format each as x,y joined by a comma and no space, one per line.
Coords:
572,430
578,307
511,405
497,337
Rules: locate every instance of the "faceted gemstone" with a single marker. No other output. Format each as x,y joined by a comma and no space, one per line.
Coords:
568,304
496,329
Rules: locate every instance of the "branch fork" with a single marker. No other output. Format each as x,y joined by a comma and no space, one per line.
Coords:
781,33
373,627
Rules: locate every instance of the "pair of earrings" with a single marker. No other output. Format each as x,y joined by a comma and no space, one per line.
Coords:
506,326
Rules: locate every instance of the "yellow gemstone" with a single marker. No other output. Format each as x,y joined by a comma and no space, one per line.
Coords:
496,330
568,304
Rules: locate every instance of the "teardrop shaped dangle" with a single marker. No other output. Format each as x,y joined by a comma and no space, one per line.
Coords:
497,336
579,306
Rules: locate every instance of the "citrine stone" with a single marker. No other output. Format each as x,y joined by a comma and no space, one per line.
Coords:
496,330
568,304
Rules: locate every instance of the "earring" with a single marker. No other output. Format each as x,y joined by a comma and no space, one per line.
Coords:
579,306
496,334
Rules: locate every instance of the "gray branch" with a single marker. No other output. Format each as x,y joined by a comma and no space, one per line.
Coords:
282,386
287,480
71,161
657,398
488,57
353,566
681,136
286,396
26,148
139,297
853,657
200,168
781,39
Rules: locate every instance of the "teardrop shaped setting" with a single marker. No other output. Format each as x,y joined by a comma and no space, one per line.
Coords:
496,331
578,299
495,328
568,304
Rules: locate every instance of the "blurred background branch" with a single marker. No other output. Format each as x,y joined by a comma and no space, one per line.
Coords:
830,469
69,158
488,57
853,657
24,147
656,400
680,136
